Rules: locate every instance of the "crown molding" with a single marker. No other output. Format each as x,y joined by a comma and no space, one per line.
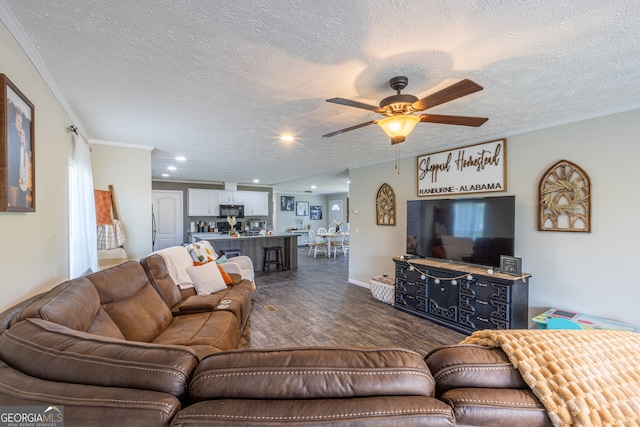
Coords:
22,38
121,144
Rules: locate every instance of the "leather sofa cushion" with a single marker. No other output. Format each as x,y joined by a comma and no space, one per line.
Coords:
131,301
378,411
52,352
311,373
205,333
74,304
158,274
497,407
236,299
464,365
89,405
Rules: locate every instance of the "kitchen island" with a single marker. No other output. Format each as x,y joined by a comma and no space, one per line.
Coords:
251,246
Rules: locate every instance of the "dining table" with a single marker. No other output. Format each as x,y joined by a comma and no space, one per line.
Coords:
329,238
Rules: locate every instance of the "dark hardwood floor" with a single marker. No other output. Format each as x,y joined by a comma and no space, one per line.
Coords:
315,305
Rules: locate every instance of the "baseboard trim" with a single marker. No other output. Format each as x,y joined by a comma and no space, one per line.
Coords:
358,283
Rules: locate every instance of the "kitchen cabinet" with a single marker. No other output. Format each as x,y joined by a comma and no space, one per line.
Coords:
256,203
202,202
462,297
232,197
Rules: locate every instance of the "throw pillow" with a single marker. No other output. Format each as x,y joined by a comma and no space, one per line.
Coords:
225,276
202,252
206,278
222,259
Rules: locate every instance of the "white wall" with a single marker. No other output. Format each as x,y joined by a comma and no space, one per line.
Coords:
34,246
129,171
288,219
586,272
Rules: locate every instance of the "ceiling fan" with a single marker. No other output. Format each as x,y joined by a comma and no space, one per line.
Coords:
399,109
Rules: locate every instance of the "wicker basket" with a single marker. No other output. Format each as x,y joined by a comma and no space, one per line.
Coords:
383,288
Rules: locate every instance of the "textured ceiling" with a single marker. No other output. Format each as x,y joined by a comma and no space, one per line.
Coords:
218,82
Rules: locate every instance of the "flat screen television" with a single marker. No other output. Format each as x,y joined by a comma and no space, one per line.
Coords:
473,230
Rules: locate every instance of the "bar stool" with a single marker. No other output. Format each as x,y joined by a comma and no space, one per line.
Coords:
273,255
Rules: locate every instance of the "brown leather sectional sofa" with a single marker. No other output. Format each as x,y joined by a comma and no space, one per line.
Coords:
125,346
109,349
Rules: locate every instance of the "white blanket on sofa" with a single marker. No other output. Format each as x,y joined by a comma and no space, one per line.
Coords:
177,260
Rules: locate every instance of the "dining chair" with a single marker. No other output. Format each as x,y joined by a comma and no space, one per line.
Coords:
338,243
332,230
322,230
316,243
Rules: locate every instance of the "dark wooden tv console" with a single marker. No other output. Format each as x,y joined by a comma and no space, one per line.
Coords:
426,288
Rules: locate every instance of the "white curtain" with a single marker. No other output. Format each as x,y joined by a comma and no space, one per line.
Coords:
83,247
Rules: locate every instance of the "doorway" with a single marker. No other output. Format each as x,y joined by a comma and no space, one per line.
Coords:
167,211
336,213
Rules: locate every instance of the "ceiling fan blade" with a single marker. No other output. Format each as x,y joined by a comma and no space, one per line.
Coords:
453,120
361,125
457,90
350,103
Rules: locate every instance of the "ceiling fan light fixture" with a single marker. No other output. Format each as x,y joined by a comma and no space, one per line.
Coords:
399,126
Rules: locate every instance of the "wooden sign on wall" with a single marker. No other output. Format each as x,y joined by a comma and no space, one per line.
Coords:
478,168
564,195
386,205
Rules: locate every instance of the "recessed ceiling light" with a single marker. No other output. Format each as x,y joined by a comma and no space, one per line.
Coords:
286,138
172,168
256,180
181,158
165,175
313,187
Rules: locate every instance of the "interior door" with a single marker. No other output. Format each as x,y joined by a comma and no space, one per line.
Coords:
168,218
336,213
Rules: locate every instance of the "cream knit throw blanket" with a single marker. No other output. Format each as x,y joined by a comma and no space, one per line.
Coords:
582,377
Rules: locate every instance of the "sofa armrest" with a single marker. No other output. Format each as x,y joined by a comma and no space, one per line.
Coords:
497,407
468,365
53,352
246,267
311,373
88,405
243,261
199,303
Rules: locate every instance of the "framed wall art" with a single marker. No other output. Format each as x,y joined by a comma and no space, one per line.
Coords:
302,208
315,212
286,203
17,150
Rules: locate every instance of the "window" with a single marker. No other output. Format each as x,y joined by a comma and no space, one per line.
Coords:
83,247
